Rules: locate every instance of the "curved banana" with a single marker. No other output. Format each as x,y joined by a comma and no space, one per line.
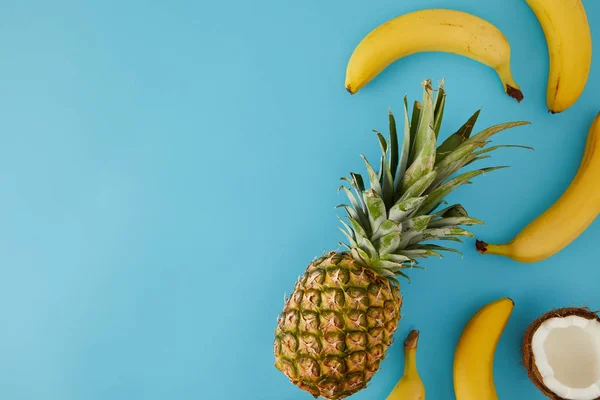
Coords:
566,219
474,357
569,39
431,30
410,386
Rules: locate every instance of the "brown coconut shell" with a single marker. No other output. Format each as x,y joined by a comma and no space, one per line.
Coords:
529,359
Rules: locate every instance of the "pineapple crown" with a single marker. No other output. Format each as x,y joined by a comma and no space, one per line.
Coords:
390,221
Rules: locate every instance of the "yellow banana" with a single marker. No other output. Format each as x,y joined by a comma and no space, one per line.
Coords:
566,219
569,39
474,357
426,31
410,386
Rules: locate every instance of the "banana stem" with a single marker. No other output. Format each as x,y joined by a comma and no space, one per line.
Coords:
410,356
487,248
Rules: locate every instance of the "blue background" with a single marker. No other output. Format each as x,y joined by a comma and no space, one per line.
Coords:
167,170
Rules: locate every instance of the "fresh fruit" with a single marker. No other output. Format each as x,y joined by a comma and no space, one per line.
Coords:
569,39
474,357
340,319
410,386
426,31
566,219
561,351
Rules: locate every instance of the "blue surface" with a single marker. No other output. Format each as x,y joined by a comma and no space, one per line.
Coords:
168,170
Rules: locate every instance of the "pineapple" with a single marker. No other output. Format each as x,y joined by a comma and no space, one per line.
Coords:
339,321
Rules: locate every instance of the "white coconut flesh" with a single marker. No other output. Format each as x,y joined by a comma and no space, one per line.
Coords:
567,356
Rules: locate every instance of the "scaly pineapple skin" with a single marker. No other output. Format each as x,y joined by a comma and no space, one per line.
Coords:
336,327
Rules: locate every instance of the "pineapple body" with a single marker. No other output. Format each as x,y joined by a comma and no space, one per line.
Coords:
336,326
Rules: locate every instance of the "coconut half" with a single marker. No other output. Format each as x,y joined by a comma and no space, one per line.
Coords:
561,351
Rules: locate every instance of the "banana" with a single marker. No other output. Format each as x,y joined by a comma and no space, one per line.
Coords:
410,386
426,31
474,357
569,39
566,219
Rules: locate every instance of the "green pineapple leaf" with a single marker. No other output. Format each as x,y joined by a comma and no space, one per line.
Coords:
440,193
423,163
402,274
423,250
452,221
357,196
484,135
386,179
367,247
398,258
389,266
440,102
373,178
438,248
376,209
422,253
413,227
359,184
455,161
387,226
347,227
475,159
359,211
387,244
393,145
422,137
382,142
349,237
422,153
405,153
501,146
457,138
414,123
455,210
446,233
416,224
351,197
403,209
420,186
355,214
359,232
359,255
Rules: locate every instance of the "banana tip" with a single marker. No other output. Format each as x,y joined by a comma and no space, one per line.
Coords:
481,246
350,90
514,93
